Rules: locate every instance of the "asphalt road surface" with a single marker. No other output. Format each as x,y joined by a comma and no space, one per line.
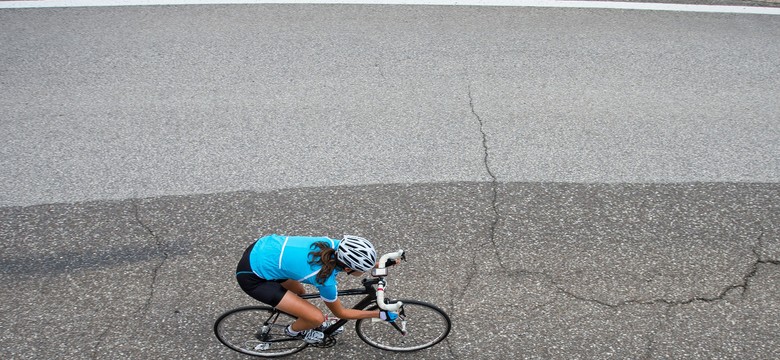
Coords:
568,183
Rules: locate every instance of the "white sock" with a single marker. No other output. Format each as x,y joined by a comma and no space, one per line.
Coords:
291,331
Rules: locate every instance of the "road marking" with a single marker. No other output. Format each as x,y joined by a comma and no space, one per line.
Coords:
511,3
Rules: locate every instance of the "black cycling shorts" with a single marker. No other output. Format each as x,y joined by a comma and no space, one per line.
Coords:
269,292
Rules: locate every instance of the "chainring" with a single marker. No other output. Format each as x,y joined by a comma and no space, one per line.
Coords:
329,341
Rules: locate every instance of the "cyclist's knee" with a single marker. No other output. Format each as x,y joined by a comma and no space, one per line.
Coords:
302,309
309,320
317,317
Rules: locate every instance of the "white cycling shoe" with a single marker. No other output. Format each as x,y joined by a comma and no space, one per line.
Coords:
328,323
310,336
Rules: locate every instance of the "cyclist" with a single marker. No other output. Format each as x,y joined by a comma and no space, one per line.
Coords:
274,267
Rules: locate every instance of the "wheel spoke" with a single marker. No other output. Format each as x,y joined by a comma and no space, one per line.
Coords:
243,330
426,326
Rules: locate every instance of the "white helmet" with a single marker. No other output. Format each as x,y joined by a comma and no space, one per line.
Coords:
356,253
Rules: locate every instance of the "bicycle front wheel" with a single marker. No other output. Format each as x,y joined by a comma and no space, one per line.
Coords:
257,331
426,326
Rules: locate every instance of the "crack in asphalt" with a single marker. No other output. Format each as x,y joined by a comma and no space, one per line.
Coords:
451,349
659,328
493,206
744,286
147,304
101,338
450,345
493,203
156,270
471,273
494,179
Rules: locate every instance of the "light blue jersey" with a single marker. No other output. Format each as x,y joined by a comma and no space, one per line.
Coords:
281,257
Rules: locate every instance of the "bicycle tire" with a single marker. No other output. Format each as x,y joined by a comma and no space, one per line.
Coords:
427,326
249,329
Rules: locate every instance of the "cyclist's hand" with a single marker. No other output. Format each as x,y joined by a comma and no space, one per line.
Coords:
388,316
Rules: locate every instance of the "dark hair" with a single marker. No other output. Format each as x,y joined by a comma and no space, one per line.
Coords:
324,255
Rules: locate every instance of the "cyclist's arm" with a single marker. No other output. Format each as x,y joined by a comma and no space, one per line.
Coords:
346,313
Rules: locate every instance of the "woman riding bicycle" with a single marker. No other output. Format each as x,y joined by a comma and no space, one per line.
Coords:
273,268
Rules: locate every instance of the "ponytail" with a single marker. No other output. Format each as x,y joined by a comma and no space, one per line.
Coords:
325,256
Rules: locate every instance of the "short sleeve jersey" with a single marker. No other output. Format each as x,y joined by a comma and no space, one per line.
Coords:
281,257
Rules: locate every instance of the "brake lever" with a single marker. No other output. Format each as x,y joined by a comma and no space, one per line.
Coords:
402,319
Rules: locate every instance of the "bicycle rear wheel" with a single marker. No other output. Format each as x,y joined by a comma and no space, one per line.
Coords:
426,324
257,331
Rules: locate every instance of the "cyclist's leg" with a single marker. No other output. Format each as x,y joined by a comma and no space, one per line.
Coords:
274,294
294,286
309,316
279,294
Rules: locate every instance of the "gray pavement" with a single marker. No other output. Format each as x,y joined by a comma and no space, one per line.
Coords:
569,183
150,101
556,271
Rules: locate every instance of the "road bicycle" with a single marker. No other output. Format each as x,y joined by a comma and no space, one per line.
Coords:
259,330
